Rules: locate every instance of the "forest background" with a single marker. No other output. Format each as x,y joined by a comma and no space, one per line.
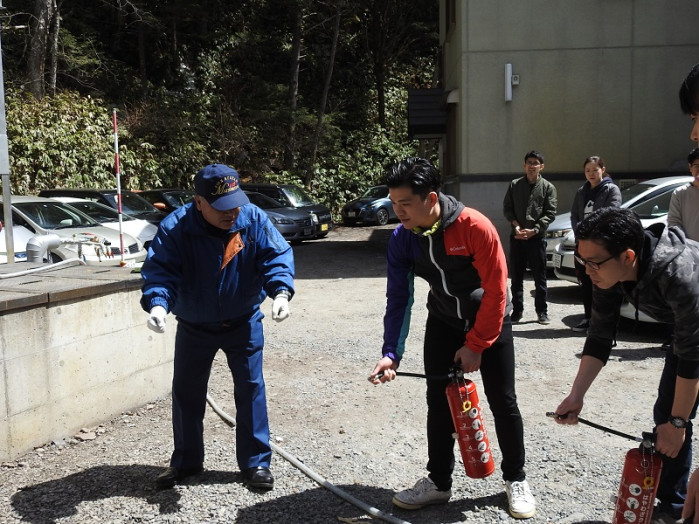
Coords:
303,91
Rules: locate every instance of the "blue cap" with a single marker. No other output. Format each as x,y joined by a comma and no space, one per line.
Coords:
220,186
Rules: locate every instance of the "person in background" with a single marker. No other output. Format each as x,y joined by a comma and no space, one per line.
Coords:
457,251
529,206
597,192
684,203
689,102
654,270
212,263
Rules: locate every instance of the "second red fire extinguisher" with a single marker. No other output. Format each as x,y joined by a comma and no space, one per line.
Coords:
469,428
639,484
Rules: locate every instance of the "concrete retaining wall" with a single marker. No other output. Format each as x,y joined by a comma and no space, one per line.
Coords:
80,355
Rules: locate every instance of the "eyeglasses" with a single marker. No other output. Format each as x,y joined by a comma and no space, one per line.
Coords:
535,164
694,166
594,266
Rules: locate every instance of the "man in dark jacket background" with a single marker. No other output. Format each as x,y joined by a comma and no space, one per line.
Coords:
529,206
212,263
655,270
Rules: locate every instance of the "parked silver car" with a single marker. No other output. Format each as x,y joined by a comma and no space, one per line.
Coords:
294,224
109,217
81,236
630,196
650,212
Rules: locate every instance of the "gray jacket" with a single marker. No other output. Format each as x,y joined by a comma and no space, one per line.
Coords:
606,194
667,290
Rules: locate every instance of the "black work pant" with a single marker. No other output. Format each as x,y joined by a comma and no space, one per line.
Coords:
533,253
498,376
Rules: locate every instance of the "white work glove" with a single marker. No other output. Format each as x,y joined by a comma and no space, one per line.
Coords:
156,321
280,307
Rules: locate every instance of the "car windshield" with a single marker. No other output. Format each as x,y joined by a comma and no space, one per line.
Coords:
655,207
635,190
263,201
376,192
55,215
99,212
133,204
298,196
178,198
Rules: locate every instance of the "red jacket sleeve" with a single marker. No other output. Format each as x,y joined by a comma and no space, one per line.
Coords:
478,235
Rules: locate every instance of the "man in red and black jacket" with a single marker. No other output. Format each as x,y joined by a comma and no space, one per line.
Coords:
458,252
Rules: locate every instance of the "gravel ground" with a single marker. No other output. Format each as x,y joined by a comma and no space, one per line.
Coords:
368,440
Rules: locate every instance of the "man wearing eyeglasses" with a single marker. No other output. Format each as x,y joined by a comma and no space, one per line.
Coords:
529,206
654,269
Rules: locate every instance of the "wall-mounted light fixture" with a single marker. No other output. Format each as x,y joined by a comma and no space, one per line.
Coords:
510,80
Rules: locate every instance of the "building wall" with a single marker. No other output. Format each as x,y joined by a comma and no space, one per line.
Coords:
596,77
76,364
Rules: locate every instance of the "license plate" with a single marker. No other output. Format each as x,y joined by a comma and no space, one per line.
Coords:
351,214
324,227
307,231
557,260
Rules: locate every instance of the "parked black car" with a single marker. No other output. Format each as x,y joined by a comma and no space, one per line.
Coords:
373,206
294,224
289,195
167,199
131,203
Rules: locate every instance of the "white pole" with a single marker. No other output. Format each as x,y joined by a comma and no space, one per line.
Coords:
118,181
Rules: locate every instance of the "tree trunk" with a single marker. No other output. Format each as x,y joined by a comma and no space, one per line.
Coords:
324,98
44,12
55,29
142,58
290,149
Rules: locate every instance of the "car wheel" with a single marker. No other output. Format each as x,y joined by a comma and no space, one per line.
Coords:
382,217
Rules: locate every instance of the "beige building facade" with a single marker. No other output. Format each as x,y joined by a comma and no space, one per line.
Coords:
570,78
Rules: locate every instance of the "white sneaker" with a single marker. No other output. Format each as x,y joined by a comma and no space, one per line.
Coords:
520,499
423,493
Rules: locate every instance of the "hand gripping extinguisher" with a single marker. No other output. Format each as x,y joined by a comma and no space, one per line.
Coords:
639,484
468,425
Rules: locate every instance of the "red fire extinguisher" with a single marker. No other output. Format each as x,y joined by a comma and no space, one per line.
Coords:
639,484
468,425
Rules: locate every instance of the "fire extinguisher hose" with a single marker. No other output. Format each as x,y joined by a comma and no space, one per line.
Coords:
370,510
551,414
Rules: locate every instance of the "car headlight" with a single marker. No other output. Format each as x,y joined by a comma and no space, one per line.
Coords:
314,218
558,233
281,220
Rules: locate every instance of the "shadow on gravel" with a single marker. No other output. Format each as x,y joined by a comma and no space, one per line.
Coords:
57,499
328,258
320,506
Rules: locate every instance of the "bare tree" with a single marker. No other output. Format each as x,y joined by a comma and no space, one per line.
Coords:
44,13
296,40
324,96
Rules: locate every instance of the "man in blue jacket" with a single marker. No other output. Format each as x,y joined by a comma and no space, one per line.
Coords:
211,264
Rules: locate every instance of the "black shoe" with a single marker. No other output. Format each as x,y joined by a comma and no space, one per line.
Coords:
516,316
171,476
667,345
259,477
543,318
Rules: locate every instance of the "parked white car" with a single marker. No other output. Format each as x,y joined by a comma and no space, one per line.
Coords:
630,196
650,212
81,236
109,217
20,236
